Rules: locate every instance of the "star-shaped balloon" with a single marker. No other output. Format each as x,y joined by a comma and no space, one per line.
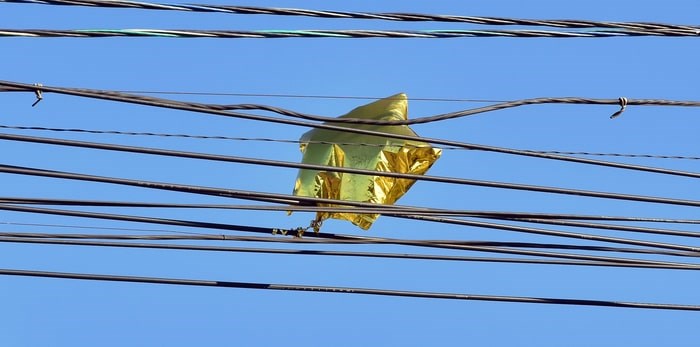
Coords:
376,153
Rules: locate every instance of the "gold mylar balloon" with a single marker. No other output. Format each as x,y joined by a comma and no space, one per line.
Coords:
381,154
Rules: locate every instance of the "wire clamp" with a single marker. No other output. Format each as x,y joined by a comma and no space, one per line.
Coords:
623,105
38,93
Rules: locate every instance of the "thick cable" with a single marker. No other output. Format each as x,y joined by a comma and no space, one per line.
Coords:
388,16
343,290
344,34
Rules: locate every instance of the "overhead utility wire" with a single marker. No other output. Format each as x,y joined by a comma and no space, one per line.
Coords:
278,163
345,240
344,34
389,16
152,101
281,198
266,230
264,139
510,216
557,233
301,96
333,253
405,210
324,235
344,290
207,109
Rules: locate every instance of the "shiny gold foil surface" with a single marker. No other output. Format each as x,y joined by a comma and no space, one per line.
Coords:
381,154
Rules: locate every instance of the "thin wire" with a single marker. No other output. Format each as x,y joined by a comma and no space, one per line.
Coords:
266,230
404,17
263,139
333,253
346,34
305,96
343,290
210,109
510,216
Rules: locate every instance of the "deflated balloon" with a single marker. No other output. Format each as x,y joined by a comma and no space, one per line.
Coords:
376,153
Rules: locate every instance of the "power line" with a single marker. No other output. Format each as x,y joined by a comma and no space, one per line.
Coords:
405,17
344,34
287,199
303,96
341,240
212,109
266,230
623,102
256,161
542,218
344,290
263,139
334,253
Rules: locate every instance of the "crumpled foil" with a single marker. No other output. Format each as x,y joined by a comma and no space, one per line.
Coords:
381,154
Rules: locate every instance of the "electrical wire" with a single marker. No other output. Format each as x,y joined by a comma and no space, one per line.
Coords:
510,216
273,231
344,34
263,139
523,216
11,86
343,290
333,253
388,16
303,96
295,200
286,164
342,240
210,109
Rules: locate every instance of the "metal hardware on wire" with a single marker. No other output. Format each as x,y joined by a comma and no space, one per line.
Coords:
623,105
38,93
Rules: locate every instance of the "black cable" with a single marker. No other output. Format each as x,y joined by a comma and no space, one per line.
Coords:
286,164
297,200
344,290
204,108
616,227
346,240
556,233
289,199
336,253
265,230
522,216
510,216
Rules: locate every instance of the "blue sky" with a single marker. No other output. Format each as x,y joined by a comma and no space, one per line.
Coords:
67,313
